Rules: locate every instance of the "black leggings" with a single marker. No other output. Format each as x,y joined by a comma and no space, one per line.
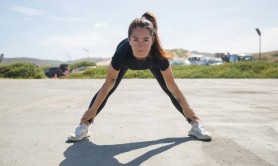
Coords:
159,77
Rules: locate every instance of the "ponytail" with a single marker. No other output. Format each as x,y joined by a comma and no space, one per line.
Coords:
157,49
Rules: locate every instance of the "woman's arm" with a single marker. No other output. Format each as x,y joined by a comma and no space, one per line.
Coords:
105,89
174,89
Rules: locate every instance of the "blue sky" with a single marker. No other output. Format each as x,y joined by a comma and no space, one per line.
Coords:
62,29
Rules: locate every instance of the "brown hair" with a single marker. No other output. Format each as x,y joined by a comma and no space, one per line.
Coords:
157,47
142,23
148,20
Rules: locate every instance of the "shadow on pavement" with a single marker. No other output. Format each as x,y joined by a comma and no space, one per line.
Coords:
87,153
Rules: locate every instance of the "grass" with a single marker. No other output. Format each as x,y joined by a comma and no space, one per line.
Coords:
227,70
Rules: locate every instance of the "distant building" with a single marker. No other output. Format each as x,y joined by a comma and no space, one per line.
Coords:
223,56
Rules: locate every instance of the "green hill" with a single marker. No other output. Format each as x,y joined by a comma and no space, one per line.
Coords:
39,62
268,56
44,62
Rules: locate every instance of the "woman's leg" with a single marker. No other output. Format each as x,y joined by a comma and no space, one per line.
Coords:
159,77
119,78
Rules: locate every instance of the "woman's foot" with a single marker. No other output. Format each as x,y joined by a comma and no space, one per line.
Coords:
80,133
199,131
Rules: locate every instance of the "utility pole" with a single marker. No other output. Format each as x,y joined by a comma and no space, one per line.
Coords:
87,53
69,60
1,57
259,33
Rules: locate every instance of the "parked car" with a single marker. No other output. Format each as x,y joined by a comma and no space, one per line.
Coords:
195,59
241,57
246,57
210,61
50,72
234,58
178,62
64,70
57,71
82,69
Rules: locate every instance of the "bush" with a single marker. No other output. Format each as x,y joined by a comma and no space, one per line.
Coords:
98,72
21,70
139,74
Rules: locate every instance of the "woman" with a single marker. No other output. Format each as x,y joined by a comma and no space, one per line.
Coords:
142,50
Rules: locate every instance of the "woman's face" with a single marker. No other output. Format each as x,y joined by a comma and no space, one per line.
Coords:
141,42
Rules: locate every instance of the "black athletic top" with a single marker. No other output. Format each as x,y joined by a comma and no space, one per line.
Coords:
124,57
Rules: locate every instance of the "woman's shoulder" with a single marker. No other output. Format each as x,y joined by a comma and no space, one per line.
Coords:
123,44
120,54
122,48
161,63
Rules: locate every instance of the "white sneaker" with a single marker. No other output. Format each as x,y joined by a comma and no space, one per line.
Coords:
198,131
80,133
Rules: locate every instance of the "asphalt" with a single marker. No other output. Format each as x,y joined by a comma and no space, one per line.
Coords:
139,125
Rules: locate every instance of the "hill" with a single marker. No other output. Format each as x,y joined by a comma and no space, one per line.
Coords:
45,62
271,56
39,62
177,54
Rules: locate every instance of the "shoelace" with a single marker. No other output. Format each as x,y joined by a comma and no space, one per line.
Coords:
200,128
78,130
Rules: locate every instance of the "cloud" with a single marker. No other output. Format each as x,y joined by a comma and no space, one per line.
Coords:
228,37
80,40
99,42
26,18
100,25
72,19
27,11
269,39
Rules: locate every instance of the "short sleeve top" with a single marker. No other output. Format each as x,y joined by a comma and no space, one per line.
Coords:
123,57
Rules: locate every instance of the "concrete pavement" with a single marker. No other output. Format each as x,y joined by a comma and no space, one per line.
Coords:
139,125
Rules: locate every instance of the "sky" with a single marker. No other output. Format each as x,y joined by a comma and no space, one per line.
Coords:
70,29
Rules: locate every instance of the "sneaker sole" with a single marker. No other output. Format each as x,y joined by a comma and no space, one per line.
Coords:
79,139
199,137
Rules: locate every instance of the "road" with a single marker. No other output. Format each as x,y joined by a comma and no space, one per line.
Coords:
139,125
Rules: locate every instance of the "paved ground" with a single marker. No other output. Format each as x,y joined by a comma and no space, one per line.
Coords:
139,125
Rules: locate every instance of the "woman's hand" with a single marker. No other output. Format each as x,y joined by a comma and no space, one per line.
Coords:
191,115
89,114
195,119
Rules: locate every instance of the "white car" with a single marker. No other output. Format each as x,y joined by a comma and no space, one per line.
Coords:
210,61
195,59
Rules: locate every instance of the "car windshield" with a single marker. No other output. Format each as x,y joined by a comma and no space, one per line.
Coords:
194,59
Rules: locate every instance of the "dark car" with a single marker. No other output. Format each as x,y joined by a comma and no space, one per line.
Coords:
246,58
234,58
64,70
50,72
57,71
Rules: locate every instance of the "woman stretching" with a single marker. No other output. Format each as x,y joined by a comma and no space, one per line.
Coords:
140,51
